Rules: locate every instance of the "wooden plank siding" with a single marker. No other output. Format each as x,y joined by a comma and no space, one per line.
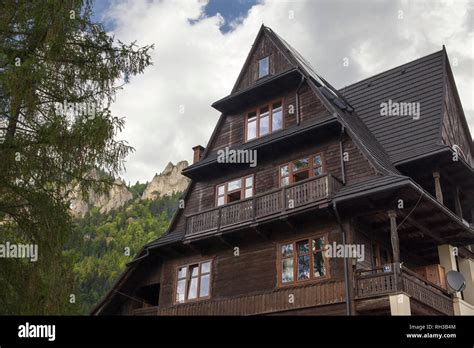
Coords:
232,130
307,300
263,47
202,196
254,271
453,132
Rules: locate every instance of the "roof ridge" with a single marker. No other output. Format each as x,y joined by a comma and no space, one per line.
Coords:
352,122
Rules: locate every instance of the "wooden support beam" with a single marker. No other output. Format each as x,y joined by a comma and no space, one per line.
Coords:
259,232
425,230
289,223
224,241
394,236
439,192
457,202
193,247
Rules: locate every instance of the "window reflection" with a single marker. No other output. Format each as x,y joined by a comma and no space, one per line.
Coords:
302,260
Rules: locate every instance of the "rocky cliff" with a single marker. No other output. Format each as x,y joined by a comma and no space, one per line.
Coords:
117,196
168,182
165,184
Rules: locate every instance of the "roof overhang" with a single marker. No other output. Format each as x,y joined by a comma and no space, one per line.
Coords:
264,89
455,168
322,126
441,225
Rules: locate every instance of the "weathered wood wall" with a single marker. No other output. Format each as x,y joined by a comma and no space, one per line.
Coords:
453,131
264,48
255,269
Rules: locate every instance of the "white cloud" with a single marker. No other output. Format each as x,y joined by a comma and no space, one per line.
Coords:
196,64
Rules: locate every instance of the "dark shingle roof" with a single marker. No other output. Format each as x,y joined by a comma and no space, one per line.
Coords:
374,183
358,131
419,81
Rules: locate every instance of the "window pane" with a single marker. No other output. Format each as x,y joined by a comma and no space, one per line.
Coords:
301,175
317,161
204,287
264,124
192,291
220,201
285,181
249,181
206,267
277,116
287,270
287,250
180,290
284,171
300,164
263,67
252,127
302,247
303,267
318,171
182,272
234,185
318,269
318,244
220,190
248,192
194,270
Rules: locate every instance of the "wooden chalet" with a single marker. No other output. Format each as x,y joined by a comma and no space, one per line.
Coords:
331,170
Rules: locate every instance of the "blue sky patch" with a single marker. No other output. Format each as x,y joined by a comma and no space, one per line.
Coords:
231,10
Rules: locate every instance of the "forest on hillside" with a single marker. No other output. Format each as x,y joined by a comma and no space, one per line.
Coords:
104,243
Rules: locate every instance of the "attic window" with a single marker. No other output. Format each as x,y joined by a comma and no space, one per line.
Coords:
266,119
263,67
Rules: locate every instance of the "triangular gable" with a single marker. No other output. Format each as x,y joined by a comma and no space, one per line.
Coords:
454,128
337,105
262,47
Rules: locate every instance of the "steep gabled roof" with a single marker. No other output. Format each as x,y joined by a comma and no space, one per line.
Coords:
336,103
422,80
357,107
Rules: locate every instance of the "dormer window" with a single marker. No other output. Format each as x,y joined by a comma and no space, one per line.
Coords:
263,67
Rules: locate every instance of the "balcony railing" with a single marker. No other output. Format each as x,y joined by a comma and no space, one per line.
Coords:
312,191
391,278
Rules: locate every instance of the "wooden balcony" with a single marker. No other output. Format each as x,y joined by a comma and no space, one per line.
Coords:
391,279
275,301
290,199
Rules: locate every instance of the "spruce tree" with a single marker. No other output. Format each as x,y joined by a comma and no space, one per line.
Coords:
59,74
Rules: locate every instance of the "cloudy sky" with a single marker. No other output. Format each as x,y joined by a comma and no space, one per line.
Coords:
200,47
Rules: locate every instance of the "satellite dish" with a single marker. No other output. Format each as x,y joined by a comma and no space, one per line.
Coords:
455,281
